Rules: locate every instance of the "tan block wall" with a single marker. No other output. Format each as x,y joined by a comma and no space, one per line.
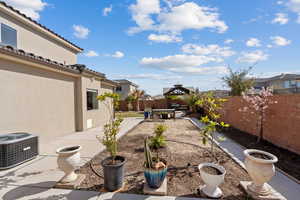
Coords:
282,122
36,101
35,42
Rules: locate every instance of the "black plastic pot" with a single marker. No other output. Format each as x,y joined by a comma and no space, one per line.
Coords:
113,174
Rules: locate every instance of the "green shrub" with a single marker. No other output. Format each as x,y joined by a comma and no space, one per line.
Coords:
158,140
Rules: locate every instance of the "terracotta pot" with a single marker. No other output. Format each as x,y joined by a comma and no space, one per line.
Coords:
68,160
211,181
260,170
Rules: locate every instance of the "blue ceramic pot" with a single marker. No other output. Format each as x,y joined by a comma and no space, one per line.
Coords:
155,178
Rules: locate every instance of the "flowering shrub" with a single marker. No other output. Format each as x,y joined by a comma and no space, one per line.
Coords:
258,104
211,105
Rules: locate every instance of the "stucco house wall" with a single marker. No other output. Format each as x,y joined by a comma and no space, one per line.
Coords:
36,101
48,103
100,116
34,41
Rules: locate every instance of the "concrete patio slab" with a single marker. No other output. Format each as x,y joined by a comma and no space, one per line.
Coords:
36,193
124,196
6,171
89,147
87,139
43,173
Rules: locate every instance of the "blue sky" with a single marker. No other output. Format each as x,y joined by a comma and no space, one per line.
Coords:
158,43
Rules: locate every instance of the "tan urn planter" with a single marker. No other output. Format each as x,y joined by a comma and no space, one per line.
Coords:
260,167
68,160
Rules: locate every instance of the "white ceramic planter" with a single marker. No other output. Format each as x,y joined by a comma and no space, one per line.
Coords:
68,160
260,170
211,181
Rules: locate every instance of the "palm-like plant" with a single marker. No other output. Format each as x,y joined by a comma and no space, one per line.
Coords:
138,94
238,81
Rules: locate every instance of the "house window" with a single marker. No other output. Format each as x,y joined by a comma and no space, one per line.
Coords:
119,88
91,99
286,84
8,35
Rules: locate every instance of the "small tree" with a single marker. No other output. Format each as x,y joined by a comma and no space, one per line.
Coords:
211,105
238,82
138,94
258,103
112,128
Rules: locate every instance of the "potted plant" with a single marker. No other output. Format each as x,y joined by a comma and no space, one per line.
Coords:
211,173
260,167
113,166
155,168
68,160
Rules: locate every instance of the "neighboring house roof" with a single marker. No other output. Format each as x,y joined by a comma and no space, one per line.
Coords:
125,81
77,68
279,77
40,25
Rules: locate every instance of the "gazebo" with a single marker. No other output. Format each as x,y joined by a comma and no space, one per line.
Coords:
178,90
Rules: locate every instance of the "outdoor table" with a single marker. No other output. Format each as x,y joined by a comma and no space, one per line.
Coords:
172,111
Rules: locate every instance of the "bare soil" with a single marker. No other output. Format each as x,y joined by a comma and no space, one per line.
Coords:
261,156
183,153
288,161
211,170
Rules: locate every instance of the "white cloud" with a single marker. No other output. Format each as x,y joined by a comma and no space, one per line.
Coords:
80,31
152,76
141,14
31,8
228,41
149,16
164,38
118,54
91,53
279,2
184,64
281,18
211,50
280,41
253,42
294,6
190,16
252,57
203,70
107,10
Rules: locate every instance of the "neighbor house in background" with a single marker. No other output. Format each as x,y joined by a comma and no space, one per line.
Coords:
125,88
281,84
43,89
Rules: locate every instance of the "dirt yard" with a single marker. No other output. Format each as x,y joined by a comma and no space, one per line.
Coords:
183,153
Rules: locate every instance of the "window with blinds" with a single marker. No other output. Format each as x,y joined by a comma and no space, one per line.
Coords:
92,101
8,36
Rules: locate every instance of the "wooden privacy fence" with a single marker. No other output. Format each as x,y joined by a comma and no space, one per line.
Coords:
281,125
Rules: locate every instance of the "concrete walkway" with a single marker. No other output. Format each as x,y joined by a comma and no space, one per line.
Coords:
282,183
41,174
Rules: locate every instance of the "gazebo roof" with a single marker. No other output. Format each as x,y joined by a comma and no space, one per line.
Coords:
177,90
